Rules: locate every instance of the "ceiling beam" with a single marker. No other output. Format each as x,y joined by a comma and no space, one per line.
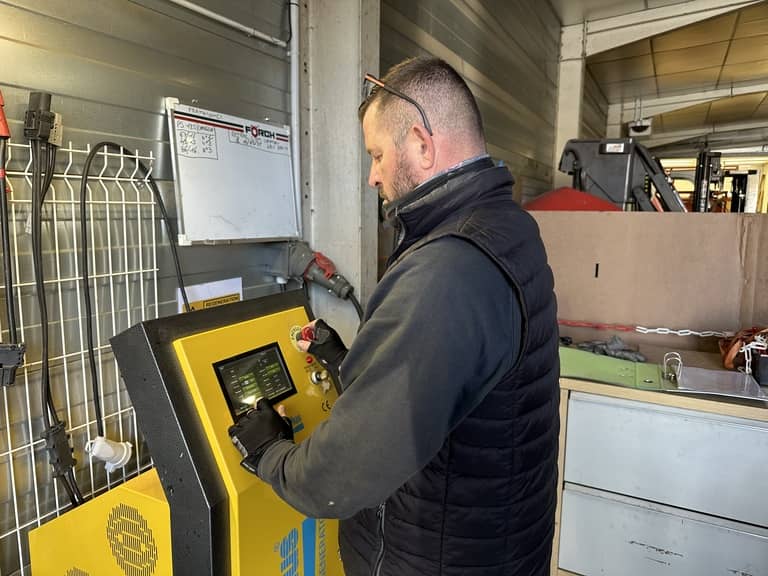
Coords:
622,112
734,131
609,33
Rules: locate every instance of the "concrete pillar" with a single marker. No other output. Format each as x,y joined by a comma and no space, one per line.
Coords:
340,44
570,92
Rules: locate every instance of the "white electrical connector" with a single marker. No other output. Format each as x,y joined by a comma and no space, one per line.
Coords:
113,454
57,132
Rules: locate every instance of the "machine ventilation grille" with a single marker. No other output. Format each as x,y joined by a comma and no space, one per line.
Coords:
76,572
131,541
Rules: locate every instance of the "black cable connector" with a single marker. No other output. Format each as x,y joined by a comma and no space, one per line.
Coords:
38,119
318,268
58,448
11,357
335,282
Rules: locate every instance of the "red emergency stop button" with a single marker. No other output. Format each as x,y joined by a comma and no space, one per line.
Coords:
308,333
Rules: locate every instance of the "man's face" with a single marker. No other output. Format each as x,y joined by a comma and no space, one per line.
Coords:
392,172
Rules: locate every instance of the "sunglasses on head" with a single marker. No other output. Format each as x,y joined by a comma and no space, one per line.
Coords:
376,84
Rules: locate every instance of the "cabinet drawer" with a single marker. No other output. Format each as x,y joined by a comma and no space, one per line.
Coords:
694,460
608,534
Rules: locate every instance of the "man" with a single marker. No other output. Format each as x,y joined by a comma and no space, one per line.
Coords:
440,455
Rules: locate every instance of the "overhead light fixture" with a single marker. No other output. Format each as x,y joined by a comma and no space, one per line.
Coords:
639,128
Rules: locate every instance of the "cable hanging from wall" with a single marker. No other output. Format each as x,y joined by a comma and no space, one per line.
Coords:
11,352
112,452
42,129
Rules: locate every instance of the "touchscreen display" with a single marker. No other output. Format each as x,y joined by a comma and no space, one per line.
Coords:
259,373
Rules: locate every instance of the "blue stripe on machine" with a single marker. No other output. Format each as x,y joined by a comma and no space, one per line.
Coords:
308,543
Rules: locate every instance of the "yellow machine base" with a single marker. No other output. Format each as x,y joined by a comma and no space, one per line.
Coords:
124,532
127,532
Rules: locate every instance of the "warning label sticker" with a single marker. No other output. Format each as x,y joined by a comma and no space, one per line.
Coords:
211,302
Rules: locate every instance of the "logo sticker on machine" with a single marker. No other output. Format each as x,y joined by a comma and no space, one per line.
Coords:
297,423
312,561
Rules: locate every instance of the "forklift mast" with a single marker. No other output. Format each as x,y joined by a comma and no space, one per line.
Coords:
621,171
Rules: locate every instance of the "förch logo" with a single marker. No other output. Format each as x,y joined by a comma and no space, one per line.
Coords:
259,132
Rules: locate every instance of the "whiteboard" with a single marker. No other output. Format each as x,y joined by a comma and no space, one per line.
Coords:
232,176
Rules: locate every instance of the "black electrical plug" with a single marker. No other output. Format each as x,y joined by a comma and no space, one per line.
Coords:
317,268
59,451
334,282
11,357
38,119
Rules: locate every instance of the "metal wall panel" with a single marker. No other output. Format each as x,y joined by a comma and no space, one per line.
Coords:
508,53
109,64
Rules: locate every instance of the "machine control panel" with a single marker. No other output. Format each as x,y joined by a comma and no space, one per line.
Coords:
226,370
247,377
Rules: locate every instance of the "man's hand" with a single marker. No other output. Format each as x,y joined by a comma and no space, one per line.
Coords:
324,343
257,430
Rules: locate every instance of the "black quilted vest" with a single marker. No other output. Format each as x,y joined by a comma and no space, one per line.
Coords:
485,505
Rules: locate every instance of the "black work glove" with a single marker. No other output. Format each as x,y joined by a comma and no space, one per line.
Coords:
327,347
615,347
257,430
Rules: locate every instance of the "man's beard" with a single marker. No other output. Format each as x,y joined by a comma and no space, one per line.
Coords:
405,180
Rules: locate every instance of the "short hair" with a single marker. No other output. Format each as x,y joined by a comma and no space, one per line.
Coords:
437,87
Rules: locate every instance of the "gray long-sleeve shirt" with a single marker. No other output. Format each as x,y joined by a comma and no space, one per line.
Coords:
432,346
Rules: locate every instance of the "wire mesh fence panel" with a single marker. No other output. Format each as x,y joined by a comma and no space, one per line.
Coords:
123,229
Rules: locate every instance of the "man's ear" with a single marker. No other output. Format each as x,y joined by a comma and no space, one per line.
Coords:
424,146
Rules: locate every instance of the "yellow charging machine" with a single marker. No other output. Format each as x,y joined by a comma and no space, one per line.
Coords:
198,511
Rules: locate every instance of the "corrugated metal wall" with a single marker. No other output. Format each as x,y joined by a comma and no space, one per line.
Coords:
108,65
594,109
508,53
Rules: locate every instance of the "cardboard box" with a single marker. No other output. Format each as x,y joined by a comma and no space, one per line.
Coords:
675,270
